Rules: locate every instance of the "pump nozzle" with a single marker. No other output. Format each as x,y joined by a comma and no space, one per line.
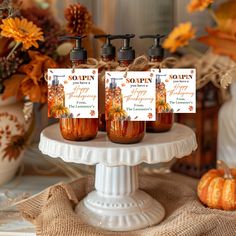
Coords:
78,53
55,80
155,50
108,50
125,52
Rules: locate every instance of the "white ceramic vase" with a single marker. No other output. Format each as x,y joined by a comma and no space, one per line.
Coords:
13,126
226,143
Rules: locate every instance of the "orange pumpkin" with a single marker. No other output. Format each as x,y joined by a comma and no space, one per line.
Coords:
217,188
163,107
58,111
117,113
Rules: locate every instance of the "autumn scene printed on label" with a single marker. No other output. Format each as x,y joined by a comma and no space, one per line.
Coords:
73,93
130,95
178,88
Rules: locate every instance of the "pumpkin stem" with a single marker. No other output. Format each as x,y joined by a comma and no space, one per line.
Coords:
222,164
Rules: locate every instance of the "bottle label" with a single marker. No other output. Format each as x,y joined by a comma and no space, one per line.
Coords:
176,90
130,95
73,93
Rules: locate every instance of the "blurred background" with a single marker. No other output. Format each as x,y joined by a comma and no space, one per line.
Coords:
138,17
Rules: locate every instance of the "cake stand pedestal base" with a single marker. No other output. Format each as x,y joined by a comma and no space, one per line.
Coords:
117,204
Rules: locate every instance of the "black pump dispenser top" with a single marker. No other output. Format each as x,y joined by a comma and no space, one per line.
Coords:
155,50
55,80
107,50
78,53
125,53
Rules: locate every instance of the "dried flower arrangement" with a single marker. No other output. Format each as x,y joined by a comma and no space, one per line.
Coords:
29,45
22,60
221,39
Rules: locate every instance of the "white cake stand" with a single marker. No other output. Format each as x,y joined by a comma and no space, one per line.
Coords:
117,204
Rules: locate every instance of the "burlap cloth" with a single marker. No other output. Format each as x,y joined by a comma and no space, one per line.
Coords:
52,210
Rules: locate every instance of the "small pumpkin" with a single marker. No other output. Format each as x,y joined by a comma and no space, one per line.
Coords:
217,188
117,113
59,111
163,107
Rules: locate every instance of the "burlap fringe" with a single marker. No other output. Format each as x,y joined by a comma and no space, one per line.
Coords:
52,211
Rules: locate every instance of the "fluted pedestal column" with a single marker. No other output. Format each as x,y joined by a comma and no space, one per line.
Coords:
117,204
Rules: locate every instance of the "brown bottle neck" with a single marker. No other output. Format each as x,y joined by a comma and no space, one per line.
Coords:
155,59
76,63
107,58
125,63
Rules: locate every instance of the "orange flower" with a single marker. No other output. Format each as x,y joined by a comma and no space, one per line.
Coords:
198,5
31,81
179,36
222,39
22,31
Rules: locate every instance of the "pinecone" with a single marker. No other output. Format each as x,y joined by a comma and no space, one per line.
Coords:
8,68
79,19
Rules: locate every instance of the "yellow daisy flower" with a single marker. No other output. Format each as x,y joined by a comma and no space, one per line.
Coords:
179,36
22,31
198,5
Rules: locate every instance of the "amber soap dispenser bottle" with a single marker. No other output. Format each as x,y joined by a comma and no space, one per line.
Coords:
164,115
78,129
108,53
121,130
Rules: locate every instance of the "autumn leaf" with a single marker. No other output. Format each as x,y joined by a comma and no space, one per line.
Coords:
30,81
36,92
221,42
14,147
92,112
222,38
12,86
